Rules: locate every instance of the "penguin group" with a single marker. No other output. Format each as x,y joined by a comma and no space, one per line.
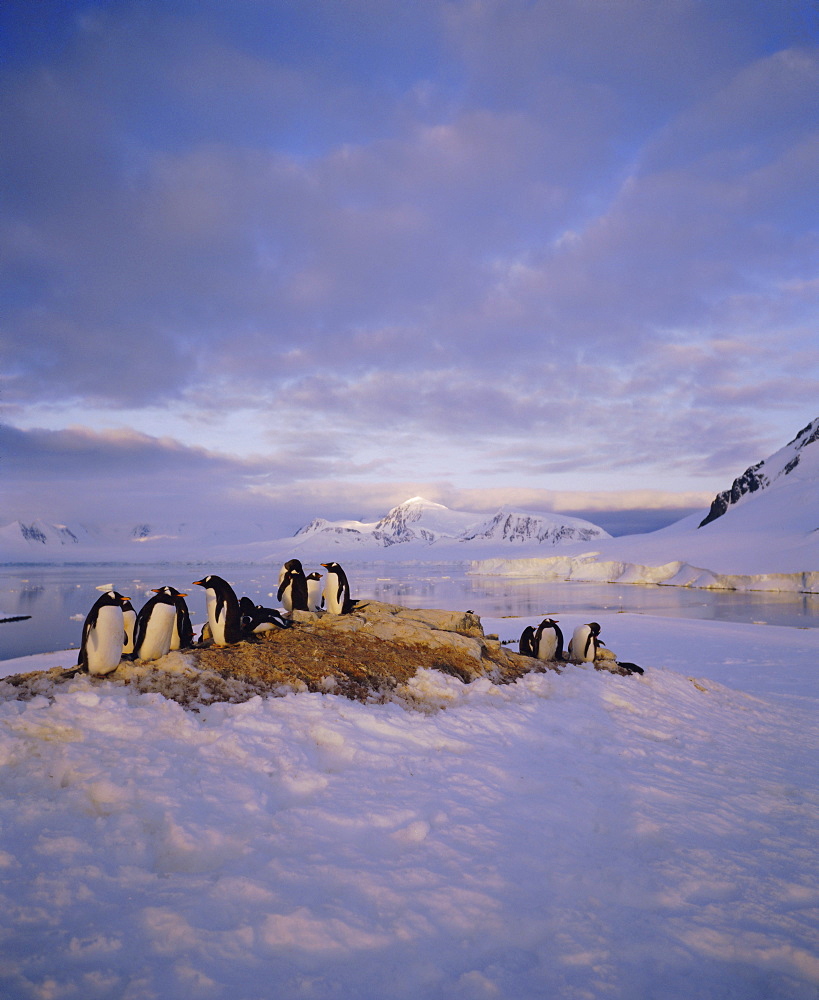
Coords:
585,646
303,592
113,631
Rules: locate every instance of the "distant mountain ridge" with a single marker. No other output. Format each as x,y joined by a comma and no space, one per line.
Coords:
427,523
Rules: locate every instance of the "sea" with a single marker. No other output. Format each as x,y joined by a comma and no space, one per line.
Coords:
56,599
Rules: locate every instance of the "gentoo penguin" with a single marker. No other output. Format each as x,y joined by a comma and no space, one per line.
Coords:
549,640
526,645
315,601
254,618
293,587
584,643
155,625
182,633
129,620
103,635
336,589
290,564
223,610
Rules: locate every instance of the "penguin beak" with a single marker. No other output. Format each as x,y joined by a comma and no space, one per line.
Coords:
124,599
198,583
181,595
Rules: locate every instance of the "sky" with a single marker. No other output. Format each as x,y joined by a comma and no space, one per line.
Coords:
279,260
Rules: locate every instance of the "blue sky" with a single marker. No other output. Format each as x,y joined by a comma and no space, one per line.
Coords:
292,259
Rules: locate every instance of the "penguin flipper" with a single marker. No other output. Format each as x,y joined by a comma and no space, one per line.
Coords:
631,668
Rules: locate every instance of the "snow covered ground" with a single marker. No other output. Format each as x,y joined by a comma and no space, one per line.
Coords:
572,836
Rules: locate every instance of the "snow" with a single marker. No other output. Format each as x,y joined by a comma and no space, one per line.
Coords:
574,835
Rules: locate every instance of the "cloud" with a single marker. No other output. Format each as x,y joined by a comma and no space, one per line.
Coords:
542,239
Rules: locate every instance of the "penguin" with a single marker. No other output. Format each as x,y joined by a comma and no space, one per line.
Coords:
630,668
293,587
291,564
182,633
129,620
103,635
223,610
315,600
254,618
336,589
527,646
584,643
548,640
155,625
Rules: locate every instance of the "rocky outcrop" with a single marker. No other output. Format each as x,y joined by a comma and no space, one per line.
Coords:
372,654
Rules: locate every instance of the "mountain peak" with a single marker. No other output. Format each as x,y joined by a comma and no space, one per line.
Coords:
771,471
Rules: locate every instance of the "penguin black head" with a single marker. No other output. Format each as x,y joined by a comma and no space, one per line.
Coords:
170,592
294,566
594,628
111,597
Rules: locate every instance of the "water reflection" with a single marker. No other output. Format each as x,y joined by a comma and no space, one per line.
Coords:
59,597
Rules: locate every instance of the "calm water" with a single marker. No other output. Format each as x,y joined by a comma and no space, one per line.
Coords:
59,597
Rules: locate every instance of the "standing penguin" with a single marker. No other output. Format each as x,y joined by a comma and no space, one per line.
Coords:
336,589
314,599
293,587
223,610
155,625
526,645
103,635
291,564
129,620
584,643
182,633
549,640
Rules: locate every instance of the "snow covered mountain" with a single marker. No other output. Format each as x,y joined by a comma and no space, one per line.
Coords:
37,534
796,460
761,534
426,523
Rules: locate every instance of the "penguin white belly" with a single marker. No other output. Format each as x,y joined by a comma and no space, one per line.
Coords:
547,647
217,623
129,619
103,644
314,595
176,640
333,600
157,641
582,645
287,597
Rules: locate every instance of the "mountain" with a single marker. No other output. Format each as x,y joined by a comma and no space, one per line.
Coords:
37,534
421,522
760,534
796,460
